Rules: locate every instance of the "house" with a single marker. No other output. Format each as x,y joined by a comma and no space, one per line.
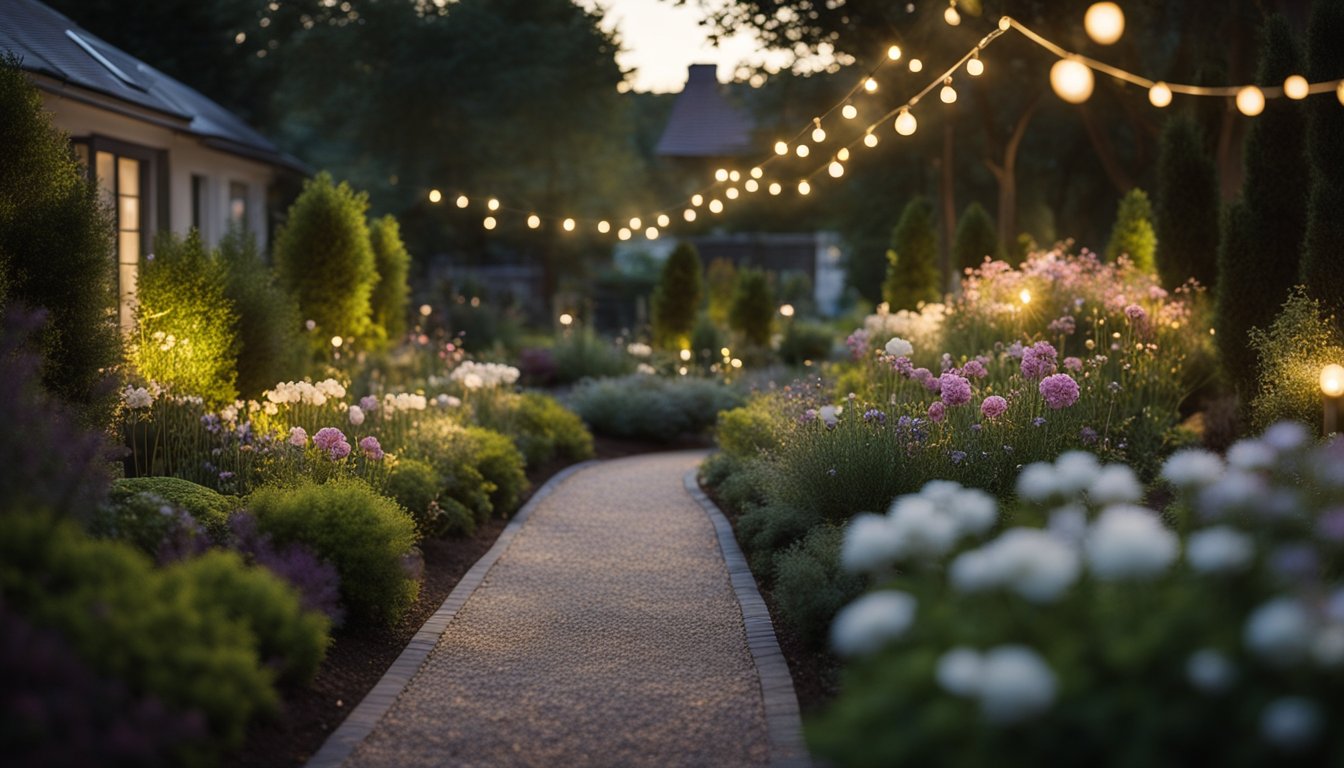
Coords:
166,157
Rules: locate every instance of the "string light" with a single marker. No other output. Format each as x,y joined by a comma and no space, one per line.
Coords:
849,111
975,67
842,154
734,176
1159,95
1104,22
663,220
651,233
757,173
1250,101
781,148
492,204
688,214
697,200
836,169
730,193
894,53
716,206
623,234
533,221
802,150
870,85
604,226
870,139
1339,92
435,195
721,174
752,185
462,201
951,16
916,65
489,222
818,133
804,188
776,188
1072,80
568,224
635,223
1296,87
948,94
906,124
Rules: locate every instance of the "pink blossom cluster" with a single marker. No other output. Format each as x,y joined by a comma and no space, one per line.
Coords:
1059,390
332,442
1038,360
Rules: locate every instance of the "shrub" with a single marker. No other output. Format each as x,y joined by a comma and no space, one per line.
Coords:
720,284
650,407
325,260
290,640
1292,351
1133,234
677,297
1237,296
1325,229
745,432
501,464
766,529
415,486
804,341
271,346
317,583
207,507
539,425
391,293
976,238
912,262
1186,221
753,308
581,354
809,585
366,536
159,529
55,241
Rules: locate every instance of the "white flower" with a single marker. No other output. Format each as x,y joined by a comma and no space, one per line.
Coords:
330,388
1234,490
921,528
829,414
1037,482
1209,671
1068,523
645,369
1280,631
1286,436
137,398
973,571
870,544
1015,684
356,415
229,413
1034,564
1220,549
1129,542
1291,722
940,492
1250,455
898,347
639,349
1115,484
1192,468
1327,648
974,510
959,671
1075,472
474,375
867,624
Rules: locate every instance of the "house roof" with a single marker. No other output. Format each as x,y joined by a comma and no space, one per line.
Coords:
48,43
704,123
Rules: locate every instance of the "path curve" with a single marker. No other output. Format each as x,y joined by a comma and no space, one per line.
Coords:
603,629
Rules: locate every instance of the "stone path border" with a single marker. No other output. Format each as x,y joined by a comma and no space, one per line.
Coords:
783,721
361,721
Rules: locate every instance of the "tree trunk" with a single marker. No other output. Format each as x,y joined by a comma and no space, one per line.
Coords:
1005,172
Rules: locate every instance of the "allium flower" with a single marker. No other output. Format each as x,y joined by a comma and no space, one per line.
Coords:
959,671
955,389
993,407
356,415
1136,313
870,544
870,622
1015,684
1088,435
137,398
1250,455
1037,482
371,448
1115,484
369,403
974,369
898,347
1279,631
1129,542
922,530
1286,436
1064,326
1076,471
1068,524
1038,360
925,376
937,411
1192,468
1073,364
331,441
1220,549
874,415
298,436
1292,723
829,414
1209,671
1028,561
1059,390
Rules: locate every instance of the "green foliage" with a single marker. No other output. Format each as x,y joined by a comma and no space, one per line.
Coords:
415,486
912,262
1238,297
366,536
325,260
500,463
207,507
1133,234
271,346
1186,221
720,283
582,354
1321,270
1301,341
767,529
676,300
976,238
707,337
538,424
651,407
745,432
186,335
805,341
55,241
290,640
391,292
152,629
810,587
753,308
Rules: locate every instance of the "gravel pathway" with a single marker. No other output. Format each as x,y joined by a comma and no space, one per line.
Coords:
606,634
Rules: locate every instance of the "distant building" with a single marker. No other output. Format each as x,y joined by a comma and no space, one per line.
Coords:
705,124
166,157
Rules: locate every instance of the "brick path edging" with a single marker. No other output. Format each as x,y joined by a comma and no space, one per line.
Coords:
783,721
362,719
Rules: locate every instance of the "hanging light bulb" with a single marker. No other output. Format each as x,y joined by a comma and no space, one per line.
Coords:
1296,87
804,188
435,195
733,176
623,234
916,65
1250,101
1072,80
752,185
849,111
951,16
948,94
842,155
1159,95
1104,22
894,53
492,204
776,188
818,134
697,200
604,226
489,222
836,169
802,150
730,193
781,148
533,221
870,85
757,173
462,201
975,67
906,123
721,174
715,206
688,214
870,140
651,233
663,220
568,224
635,223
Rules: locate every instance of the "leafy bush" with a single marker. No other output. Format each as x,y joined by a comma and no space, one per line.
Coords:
290,640
1133,234
325,260
581,354
539,425
804,341
745,432
976,238
1292,351
159,529
650,407
500,463
317,583
414,485
366,536
209,508
912,262
753,310
677,297
1186,221
767,529
391,292
271,346
810,587
55,241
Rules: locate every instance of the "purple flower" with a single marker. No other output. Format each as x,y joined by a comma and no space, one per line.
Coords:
873,414
976,428
1059,390
368,403
925,376
1136,313
974,368
993,407
331,441
1073,364
298,436
958,457
1038,360
371,448
936,411
903,366
1088,435
955,389
1064,326
1039,421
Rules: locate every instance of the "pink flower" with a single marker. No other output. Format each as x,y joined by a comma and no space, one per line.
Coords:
1135,312
936,411
1038,360
298,436
955,389
331,441
925,376
1059,390
1073,364
974,368
339,451
369,403
993,407
371,448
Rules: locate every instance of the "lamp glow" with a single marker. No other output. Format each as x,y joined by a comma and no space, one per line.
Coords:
894,53
697,200
604,226
818,134
1332,380
1250,101
425,310
730,193
870,140
802,150
492,204
870,85
337,341
948,94
462,201
849,111
623,233
1072,80
435,195
566,319
757,173
635,223
906,123
734,176
842,155
1159,95
752,185
721,174
651,233
1339,92
1025,296
688,214
1296,87
951,16
1104,22
975,67
786,310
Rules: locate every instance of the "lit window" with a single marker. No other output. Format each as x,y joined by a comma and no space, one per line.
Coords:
238,203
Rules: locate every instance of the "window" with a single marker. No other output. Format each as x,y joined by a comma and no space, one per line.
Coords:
238,204
126,182
200,202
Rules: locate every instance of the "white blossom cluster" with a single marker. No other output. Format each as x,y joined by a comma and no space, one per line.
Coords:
1011,682
403,402
921,526
306,392
922,328
474,375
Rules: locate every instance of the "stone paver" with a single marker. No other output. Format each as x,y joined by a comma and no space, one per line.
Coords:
608,633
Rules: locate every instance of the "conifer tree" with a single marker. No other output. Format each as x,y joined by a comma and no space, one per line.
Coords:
1133,234
1187,206
976,238
912,262
676,300
1322,269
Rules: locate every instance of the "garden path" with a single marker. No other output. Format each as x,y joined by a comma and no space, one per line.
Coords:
614,624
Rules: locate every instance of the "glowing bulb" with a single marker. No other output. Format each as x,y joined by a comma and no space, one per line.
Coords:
975,67
568,224
804,188
663,220
757,173
489,222
870,140
566,319
818,134
752,185
1005,23
870,85
425,310
948,94
906,123
685,355
802,150
951,16
1159,95
688,214
849,111
651,233
533,221
1025,296
337,341
1250,101
730,193
916,65
716,206
894,53
697,200
435,195
786,310
776,188
781,148
1104,22
1072,80
623,233
733,176
843,155
462,201
635,223
1332,380
721,174
1295,87
492,204
604,226
836,169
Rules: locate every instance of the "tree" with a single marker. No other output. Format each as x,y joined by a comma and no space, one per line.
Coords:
325,260
1187,206
1132,234
721,281
391,293
1321,270
56,251
976,238
271,343
912,271
1235,292
753,309
676,300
